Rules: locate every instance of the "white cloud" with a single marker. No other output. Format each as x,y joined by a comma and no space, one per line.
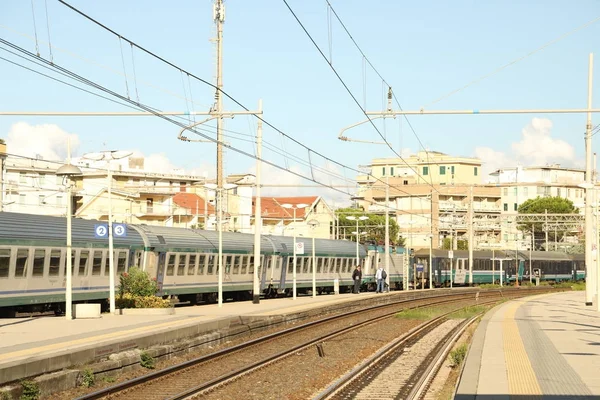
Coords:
46,140
537,147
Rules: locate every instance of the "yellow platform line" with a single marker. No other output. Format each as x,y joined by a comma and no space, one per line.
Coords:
70,345
520,374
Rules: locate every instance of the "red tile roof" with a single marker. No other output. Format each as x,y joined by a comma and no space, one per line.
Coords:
271,206
193,202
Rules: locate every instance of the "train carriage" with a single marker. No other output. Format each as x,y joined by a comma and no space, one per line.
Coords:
33,259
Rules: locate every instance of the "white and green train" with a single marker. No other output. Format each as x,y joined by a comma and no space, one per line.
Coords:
184,262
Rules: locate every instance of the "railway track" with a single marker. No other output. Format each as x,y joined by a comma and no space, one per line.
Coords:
387,374
205,374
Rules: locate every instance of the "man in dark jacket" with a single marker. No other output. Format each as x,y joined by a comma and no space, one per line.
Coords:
357,278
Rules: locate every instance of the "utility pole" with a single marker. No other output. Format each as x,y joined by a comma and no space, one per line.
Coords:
387,233
257,213
219,18
471,236
589,229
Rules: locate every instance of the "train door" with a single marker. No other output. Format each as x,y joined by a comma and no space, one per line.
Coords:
160,271
461,273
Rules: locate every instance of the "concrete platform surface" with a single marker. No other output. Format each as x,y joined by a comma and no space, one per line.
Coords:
31,346
540,347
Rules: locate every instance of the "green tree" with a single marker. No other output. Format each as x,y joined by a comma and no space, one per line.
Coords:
374,226
460,244
541,205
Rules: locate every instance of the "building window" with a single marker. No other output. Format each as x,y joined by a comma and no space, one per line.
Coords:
505,206
515,206
59,200
383,171
506,191
506,237
425,170
21,199
41,199
475,169
42,178
406,182
22,177
442,170
525,191
392,171
452,170
558,192
516,191
59,180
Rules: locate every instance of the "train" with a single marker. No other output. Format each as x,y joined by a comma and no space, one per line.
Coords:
184,263
497,266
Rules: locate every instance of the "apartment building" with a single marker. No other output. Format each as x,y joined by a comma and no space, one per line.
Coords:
429,196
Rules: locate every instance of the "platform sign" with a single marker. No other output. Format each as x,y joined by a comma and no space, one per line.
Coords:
120,230
419,267
101,231
299,248
450,254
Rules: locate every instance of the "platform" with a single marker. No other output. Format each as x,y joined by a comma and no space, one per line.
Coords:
34,346
545,346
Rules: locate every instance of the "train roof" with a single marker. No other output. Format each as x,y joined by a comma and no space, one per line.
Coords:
44,230
323,247
488,254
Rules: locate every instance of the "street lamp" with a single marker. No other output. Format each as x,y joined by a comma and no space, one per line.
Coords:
219,191
68,170
108,156
294,207
353,218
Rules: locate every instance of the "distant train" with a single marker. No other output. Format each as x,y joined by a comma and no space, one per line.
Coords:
498,266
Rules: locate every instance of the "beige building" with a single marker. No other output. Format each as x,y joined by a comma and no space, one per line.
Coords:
140,197
430,197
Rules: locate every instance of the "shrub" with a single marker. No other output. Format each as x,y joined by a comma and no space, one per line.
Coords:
457,355
151,302
4,395
31,390
137,283
146,360
87,378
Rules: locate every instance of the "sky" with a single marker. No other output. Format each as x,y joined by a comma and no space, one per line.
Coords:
424,50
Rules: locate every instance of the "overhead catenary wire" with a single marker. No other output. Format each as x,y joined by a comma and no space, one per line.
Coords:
350,92
327,158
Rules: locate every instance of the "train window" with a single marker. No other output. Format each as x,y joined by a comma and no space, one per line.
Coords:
201,262
4,262
121,262
338,265
251,265
54,262
228,263
21,263
236,264
83,262
244,265
106,270
266,262
171,265
306,266
97,263
138,259
290,265
39,256
211,265
192,265
181,264
278,263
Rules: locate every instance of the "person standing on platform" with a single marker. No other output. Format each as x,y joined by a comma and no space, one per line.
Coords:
357,278
380,276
